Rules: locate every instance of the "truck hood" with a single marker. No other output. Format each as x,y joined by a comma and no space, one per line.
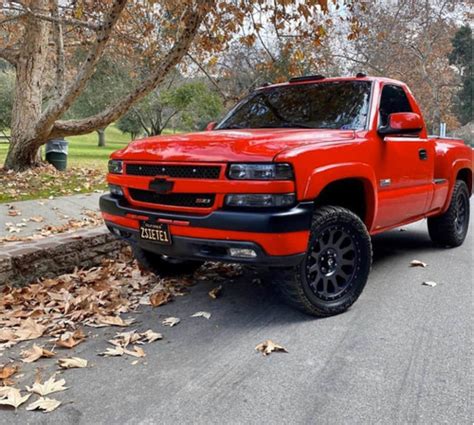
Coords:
252,145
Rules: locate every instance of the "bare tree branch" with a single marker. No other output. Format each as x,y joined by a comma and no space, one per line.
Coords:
257,30
209,77
57,108
10,55
63,21
140,119
192,20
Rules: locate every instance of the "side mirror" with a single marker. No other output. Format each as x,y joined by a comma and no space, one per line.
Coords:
402,123
211,126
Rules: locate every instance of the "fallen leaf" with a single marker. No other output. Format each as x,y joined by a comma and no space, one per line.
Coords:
70,340
7,335
29,330
115,321
37,219
7,371
72,362
160,298
137,352
12,397
418,263
113,352
429,283
269,346
44,403
216,292
50,386
122,339
35,353
171,321
151,336
204,314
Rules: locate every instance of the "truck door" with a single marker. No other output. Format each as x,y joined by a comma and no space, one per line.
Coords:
405,167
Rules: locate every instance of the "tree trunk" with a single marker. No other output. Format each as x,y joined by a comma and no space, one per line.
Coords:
101,133
26,112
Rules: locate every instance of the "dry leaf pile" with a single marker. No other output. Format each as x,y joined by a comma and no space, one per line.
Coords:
60,307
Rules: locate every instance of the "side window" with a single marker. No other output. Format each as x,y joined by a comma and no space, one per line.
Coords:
393,100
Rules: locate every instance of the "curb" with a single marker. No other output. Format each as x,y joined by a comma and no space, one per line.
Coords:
24,262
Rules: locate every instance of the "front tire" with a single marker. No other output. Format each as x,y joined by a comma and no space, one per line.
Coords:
336,266
162,265
450,229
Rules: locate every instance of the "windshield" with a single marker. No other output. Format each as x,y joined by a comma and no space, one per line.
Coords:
334,105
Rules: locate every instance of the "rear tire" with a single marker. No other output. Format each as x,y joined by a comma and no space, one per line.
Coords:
163,266
336,266
450,229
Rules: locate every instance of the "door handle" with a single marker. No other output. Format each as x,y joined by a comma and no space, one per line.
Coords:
423,154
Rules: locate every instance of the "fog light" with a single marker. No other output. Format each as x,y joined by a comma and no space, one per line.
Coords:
242,252
260,200
115,190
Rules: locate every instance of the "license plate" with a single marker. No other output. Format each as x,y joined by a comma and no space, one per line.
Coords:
158,232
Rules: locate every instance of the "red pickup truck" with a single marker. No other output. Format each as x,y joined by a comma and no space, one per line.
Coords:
296,178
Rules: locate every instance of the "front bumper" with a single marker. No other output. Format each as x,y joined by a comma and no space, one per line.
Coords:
279,238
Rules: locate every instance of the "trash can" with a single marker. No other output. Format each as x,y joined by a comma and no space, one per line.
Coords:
56,153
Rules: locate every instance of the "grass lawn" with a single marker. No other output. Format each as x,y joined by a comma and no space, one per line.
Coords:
87,165
83,150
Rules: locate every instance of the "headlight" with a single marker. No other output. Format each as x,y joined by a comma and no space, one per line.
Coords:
270,171
115,190
259,200
115,166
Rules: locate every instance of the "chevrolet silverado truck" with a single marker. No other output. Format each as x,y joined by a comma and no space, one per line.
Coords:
295,178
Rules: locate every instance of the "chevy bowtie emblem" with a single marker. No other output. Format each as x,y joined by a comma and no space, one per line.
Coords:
161,186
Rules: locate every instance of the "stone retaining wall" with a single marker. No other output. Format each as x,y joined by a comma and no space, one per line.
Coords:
24,262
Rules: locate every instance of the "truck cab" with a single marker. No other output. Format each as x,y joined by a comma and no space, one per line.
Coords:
296,177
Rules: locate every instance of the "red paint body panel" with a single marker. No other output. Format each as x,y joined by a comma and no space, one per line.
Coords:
400,186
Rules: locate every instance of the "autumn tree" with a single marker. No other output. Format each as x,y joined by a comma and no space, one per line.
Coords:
108,84
188,105
38,37
410,41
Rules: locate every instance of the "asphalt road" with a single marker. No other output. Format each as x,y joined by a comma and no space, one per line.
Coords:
401,355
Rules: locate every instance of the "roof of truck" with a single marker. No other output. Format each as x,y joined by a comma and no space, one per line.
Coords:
320,79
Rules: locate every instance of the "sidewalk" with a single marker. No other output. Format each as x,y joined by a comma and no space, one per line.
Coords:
36,214
52,237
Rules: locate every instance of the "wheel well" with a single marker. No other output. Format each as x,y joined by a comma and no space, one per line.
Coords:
466,176
347,193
